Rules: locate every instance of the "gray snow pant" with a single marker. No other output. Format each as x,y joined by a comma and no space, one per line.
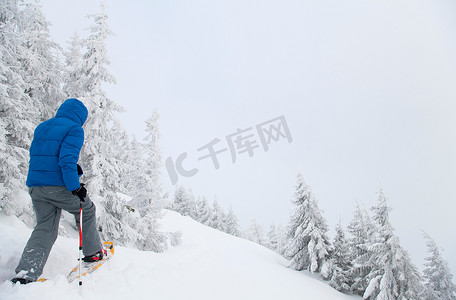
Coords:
48,202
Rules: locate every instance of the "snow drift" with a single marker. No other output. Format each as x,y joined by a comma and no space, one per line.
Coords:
208,264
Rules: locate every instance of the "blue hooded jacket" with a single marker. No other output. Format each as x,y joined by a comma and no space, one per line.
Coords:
55,148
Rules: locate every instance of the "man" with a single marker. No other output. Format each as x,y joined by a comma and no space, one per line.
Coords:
53,182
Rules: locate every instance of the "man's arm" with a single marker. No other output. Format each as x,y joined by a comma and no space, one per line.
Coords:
69,156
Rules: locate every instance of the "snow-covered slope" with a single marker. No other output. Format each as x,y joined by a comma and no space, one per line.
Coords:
207,265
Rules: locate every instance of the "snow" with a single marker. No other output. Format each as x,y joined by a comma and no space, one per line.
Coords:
208,264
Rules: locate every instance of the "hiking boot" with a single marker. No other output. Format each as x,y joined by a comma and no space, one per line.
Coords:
96,257
21,280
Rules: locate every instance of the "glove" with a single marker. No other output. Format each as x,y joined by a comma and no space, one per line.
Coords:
81,192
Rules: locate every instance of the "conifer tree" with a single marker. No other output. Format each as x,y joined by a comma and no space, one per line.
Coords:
232,224
308,246
147,189
99,157
123,146
147,192
41,70
192,208
339,262
438,280
74,78
277,238
6,168
18,113
393,275
203,210
218,217
134,158
154,160
98,152
361,231
182,202
255,233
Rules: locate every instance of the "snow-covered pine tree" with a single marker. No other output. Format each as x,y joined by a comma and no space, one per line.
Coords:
218,217
339,262
123,146
309,245
192,205
18,113
277,238
98,153
143,165
151,238
99,157
133,156
182,202
232,224
255,233
361,229
74,78
272,237
40,67
148,196
154,156
147,192
4,166
438,280
203,211
393,275
197,213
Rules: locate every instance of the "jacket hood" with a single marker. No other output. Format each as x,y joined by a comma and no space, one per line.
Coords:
73,109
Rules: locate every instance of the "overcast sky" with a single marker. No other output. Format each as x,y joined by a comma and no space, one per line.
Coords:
366,88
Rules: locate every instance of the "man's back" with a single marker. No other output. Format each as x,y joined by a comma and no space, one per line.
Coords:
55,147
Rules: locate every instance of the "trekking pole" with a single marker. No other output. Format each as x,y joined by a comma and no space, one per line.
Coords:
80,243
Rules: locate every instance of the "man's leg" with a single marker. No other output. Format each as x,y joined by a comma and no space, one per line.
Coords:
39,245
91,243
48,202
65,200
